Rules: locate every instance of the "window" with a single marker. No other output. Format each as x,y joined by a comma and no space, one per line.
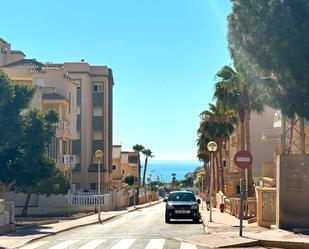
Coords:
181,196
224,163
133,159
93,186
97,87
114,167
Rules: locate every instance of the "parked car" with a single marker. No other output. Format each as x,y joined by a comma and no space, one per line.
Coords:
182,205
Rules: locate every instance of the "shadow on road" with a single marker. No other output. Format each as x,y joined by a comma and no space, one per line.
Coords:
184,222
30,231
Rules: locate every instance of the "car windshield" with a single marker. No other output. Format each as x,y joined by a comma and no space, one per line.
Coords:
181,197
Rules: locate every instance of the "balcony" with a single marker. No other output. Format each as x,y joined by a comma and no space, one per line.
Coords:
97,123
50,93
94,167
97,145
76,147
97,99
63,129
78,122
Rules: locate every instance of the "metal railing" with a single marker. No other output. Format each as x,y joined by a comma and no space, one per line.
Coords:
86,200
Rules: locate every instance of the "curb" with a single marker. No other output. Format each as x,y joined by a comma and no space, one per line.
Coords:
266,243
285,244
244,244
152,204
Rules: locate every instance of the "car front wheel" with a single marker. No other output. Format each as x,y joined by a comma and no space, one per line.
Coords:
196,220
167,219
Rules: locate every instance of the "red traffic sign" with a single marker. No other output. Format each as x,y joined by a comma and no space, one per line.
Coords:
243,159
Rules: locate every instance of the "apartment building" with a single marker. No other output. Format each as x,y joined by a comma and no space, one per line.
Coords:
82,94
124,164
129,164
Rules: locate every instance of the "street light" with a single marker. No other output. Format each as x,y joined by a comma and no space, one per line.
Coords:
99,156
212,147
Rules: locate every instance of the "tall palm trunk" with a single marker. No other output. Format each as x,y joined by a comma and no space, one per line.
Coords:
145,169
207,176
250,190
139,178
242,130
221,168
217,173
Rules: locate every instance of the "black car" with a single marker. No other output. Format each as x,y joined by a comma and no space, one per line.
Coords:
182,205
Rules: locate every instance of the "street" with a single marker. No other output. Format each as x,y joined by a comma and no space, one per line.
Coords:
144,228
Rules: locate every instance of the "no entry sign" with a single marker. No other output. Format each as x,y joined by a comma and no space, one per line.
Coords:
243,159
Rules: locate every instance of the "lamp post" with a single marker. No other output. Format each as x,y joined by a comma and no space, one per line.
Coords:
99,156
212,147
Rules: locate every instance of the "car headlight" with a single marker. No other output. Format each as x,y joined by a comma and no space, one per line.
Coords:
194,206
170,206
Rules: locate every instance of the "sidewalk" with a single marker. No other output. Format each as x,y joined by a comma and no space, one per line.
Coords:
23,236
224,232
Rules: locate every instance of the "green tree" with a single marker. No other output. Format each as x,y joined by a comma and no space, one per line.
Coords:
14,98
274,37
147,153
130,180
57,184
174,180
217,124
35,165
238,93
139,148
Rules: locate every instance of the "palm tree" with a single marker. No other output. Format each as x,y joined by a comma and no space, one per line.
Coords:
203,154
138,148
173,180
217,124
234,89
147,153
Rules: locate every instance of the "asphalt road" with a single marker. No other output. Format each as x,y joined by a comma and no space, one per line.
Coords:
140,229
144,228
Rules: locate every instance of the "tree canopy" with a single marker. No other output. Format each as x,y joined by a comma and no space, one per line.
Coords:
274,36
14,98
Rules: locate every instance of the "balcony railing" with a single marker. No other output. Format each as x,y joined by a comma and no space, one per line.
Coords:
232,206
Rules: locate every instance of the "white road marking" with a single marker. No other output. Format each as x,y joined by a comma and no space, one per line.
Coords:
35,245
124,244
93,244
64,244
155,244
185,245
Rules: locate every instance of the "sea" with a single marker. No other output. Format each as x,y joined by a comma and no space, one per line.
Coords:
166,168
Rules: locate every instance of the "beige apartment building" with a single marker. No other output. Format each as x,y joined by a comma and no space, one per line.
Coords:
82,94
125,164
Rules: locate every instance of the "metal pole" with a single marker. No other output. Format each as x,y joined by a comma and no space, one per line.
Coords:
211,185
241,209
202,192
99,191
134,192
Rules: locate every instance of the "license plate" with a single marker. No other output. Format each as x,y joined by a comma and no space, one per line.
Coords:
182,211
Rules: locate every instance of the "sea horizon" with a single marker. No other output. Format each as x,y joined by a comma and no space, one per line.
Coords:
165,168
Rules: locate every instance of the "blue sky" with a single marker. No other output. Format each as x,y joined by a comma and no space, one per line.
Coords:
163,53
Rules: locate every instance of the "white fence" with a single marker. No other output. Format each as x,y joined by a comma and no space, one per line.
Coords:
71,203
86,200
